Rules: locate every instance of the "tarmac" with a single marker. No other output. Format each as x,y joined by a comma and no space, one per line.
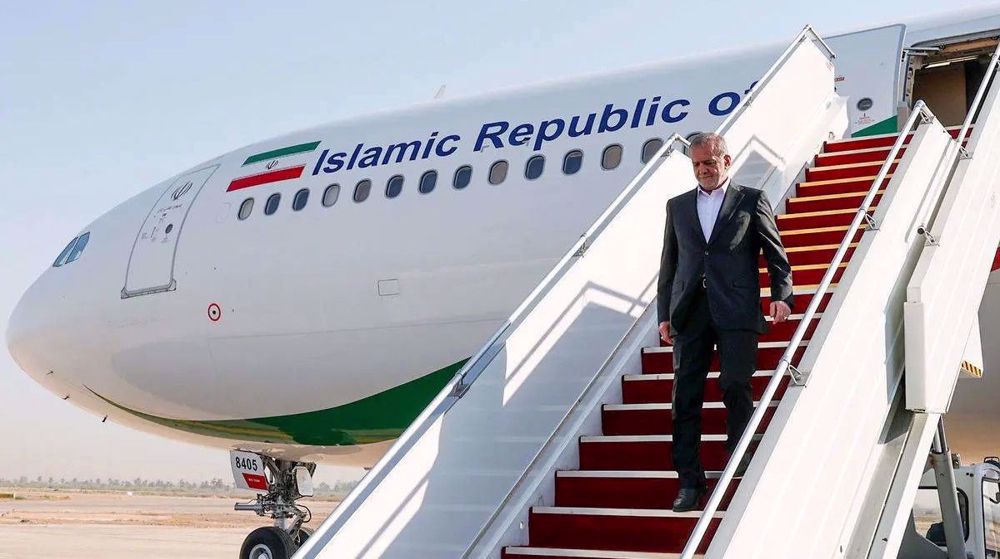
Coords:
58,525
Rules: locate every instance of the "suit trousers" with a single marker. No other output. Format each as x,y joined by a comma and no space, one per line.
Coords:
692,356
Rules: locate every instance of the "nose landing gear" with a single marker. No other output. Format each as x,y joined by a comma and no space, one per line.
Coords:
286,482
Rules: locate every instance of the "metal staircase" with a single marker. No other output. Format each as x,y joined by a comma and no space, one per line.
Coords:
618,501
554,440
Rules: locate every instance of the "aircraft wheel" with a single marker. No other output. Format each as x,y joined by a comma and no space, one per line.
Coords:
267,543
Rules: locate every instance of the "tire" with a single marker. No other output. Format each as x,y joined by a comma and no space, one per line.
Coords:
301,536
267,543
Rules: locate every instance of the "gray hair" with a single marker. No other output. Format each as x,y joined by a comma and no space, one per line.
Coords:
714,141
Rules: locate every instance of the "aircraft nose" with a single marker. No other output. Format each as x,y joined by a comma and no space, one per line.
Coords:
40,327
24,341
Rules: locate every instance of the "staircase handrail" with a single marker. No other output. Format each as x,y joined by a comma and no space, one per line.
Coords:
921,112
806,33
976,102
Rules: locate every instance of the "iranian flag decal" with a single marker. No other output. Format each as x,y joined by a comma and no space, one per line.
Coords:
271,174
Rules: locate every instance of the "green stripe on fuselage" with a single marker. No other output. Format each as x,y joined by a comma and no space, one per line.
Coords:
887,126
380,417
276,153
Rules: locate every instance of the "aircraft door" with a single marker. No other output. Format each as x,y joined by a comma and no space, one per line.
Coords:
151,264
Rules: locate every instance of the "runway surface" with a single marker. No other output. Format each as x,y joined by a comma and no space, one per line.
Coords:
46,525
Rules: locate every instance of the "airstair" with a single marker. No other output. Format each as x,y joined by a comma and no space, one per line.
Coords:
554,440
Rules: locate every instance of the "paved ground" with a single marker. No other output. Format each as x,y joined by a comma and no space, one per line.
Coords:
53,525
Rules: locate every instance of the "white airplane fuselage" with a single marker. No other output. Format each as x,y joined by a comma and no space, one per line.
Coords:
319,334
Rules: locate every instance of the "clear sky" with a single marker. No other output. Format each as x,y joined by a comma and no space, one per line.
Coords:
99,100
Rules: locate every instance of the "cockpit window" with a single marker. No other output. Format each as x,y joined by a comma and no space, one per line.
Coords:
78,248
61,259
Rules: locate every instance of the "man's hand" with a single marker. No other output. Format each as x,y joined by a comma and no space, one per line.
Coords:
665,332
779,312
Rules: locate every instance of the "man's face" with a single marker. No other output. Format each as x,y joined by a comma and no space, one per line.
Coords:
710,170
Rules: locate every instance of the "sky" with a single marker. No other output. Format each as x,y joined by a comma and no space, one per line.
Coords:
100,100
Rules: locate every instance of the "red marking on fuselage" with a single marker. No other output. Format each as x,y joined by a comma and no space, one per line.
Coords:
266,178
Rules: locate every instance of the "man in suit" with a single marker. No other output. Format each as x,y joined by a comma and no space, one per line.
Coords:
709,294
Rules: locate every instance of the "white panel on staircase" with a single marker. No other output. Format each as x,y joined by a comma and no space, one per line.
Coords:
947,287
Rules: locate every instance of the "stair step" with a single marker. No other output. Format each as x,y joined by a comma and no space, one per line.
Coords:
813,254
808,236
653,388
822,202
804,273
839,186
804,220
864,142
661,359
847,171
881,140
614,529
563,553
656,419
645,452
878,154
625,489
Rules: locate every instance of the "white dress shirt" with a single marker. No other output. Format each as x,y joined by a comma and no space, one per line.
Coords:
709,204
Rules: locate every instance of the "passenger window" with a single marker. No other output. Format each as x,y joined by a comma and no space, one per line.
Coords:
498,172
60,260
394,186
463,176
572,162
612,157
245,209
78,248
272,204
330,195
301,199
534,168
362,190
650,148
427,182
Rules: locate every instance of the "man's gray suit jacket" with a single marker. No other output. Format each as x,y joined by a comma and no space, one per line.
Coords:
728,261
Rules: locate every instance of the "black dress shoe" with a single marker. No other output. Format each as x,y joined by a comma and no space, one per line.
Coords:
688,498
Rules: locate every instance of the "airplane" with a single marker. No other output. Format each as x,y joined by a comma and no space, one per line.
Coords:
301,300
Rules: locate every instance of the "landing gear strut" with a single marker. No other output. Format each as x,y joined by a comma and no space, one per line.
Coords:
286,482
